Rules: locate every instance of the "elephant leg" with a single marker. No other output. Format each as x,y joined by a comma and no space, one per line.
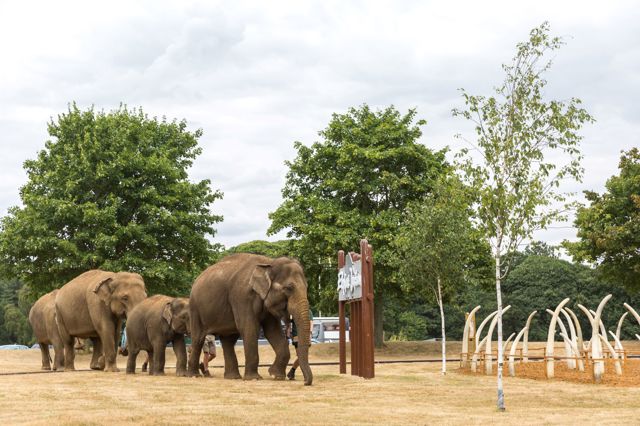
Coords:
197,340
273,333
159,350
150,359
46,358
68,342
180,349
231,370
107,335
97,358
58,355
251,357
131,360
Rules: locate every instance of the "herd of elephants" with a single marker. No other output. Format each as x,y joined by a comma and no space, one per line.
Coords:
233,298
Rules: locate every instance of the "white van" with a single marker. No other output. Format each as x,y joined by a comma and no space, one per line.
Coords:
327,330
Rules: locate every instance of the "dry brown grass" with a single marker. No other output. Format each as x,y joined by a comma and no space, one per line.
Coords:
400,394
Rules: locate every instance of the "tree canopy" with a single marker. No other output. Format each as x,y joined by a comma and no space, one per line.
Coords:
356,183
111,190
609,227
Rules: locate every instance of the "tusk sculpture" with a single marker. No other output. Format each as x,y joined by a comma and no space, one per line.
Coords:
482,324
506,343
568,350
514,347
633,312
464,359
596,344
576,322
614,355
619,349
488,359
525,341
617,337
548,354
574,341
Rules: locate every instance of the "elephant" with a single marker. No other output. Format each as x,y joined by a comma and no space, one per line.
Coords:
235,297
42,318
93,305
151,325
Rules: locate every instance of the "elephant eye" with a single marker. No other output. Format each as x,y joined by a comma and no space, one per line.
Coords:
125,297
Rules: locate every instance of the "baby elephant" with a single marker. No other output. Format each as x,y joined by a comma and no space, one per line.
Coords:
153,323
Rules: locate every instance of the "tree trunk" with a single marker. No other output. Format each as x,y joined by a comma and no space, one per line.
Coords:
499,317
444,338
378,333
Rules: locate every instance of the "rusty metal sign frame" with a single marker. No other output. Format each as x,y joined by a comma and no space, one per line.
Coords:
361,315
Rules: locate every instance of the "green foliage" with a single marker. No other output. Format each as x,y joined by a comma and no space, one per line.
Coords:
14,312
439,241
111,190
412,327
609,228
516,129
536,282
356,183
265,248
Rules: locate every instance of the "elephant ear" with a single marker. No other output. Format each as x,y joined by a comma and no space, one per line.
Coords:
260,280
166,312
104,290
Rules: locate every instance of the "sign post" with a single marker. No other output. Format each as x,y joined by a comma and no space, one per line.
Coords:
355,287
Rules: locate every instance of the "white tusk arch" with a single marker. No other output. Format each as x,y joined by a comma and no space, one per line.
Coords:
506,343
633,312
482,324
614,355
596,344
474,359
578,330
548,353
525,341
464,359
488,359
574,340
568,350
618,347
512,352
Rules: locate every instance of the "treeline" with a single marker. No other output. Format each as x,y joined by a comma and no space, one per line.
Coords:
111,190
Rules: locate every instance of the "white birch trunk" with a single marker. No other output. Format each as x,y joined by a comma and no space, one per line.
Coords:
499,316
444,337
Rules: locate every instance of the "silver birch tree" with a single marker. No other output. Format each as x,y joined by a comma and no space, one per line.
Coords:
508,164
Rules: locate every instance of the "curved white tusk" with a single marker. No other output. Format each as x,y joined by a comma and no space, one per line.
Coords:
614,355
512,352
578,329
568,351
551,338
464,359
482,324
525,341
488,365
633,312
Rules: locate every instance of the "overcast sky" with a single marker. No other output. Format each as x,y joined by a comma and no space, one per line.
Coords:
257,76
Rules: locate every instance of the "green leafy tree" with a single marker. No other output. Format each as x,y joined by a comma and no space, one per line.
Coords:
609,228
356,183
517,187
265,248
111,190
438,245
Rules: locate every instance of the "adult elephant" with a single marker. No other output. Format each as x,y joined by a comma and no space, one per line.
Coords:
151,325
42,318
93,305
236,296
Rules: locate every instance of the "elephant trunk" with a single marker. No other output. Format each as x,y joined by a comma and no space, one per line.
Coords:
299,309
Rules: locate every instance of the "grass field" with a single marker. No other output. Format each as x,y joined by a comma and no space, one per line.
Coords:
400,394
